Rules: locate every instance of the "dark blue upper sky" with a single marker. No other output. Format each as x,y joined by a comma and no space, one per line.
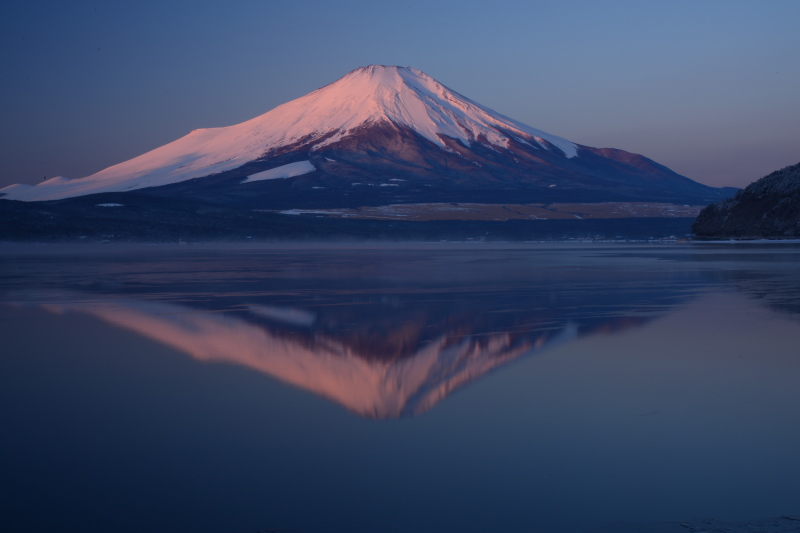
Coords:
708,88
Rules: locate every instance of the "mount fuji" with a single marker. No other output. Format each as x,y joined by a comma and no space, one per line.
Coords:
380,135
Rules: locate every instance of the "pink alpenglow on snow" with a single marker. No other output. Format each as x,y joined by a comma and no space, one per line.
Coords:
368,95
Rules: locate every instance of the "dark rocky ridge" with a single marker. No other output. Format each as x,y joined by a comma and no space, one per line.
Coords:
767,208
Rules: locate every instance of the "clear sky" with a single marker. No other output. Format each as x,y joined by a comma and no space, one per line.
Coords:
709,88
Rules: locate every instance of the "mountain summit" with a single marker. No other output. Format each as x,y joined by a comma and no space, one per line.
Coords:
380,135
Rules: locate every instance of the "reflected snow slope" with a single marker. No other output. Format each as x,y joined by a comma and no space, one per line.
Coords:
374,387
400,373
600,388
387,333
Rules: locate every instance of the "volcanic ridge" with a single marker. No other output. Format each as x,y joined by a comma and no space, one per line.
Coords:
380,135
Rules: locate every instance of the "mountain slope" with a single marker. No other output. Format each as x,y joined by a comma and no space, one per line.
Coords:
380,135
769,207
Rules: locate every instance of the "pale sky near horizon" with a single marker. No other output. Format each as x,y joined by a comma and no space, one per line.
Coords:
707,88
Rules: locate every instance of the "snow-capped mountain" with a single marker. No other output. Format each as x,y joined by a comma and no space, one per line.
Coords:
380,134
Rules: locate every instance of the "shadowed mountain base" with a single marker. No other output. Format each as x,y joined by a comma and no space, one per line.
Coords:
133,217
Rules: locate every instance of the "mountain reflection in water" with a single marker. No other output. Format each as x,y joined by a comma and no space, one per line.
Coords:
386,333
143,387
370,376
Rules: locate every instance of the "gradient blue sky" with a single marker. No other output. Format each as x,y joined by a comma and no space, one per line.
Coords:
709,88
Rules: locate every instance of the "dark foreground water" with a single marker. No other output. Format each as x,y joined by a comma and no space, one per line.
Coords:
481,388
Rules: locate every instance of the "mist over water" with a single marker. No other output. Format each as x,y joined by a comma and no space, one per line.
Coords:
360,388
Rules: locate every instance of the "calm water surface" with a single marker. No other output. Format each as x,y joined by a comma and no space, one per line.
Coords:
419,388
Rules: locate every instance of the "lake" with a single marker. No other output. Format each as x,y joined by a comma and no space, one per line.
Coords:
398,388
